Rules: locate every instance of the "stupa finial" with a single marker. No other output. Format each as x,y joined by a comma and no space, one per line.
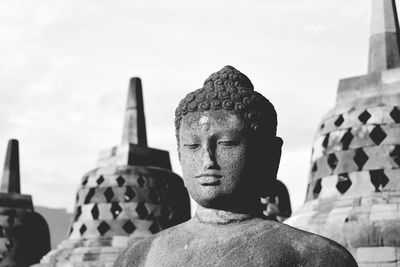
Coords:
134,131
10,182
384,52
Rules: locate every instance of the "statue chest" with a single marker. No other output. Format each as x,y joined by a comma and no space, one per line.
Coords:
216,247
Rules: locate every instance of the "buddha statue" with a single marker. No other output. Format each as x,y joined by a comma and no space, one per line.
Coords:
229,153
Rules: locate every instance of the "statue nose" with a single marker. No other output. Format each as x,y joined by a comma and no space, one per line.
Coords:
209,160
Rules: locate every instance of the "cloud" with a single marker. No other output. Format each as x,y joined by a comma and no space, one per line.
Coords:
314,28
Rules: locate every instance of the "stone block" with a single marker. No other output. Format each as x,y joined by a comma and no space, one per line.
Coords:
390,234
381,212
357,87
359,214
377,255
372,199
379,158
347,201
394,181
338,215
120,241
358,234
319,218
361,183
328,187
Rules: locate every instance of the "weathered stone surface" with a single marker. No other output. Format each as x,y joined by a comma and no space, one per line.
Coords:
230,154
24,234
130,195
378,254
384,43
358,146
253,242
134,131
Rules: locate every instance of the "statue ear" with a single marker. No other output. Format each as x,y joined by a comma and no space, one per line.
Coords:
270,166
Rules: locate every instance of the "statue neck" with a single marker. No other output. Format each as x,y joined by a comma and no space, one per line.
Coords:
214,216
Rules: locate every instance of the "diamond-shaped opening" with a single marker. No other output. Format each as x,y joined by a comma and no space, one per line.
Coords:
95,212
317,188
100,180
109,194
377,135
343,184
314,167
129,227
83,229
78,213
322,126
154,197
120,181
141,210
346,139
326,141
332,161
339,121
378,179
89,195
154,228
395,114
115,209
364,117
129,194
85,180
141,181
103,228
360,158
9,244
395,154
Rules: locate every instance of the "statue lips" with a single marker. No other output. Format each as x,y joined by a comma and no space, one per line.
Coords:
209,179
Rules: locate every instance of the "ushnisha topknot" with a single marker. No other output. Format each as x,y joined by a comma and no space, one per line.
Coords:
231,90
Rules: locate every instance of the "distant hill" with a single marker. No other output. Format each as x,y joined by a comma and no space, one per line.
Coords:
59,221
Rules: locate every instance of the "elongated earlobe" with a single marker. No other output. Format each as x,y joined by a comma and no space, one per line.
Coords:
269,166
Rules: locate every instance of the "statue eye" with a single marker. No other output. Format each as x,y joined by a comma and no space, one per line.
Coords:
191,146
228,143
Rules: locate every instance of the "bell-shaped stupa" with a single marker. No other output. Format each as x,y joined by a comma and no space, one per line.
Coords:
131,194
353,193
24,234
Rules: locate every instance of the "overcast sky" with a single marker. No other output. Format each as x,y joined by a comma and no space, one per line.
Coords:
65,67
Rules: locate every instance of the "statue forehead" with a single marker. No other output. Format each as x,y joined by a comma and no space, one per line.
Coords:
206,119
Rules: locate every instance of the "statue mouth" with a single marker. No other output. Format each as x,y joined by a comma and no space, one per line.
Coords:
209,179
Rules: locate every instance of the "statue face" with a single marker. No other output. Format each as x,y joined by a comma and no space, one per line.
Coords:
216,157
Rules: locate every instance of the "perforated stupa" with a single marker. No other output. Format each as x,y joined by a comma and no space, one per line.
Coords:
353,193
131,194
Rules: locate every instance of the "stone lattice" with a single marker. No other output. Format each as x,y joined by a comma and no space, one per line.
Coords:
131,194
353,194
24,234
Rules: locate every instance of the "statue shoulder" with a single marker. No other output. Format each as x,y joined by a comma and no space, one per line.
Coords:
136,254
316,250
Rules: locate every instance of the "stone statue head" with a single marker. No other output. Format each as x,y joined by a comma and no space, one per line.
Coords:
227,143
